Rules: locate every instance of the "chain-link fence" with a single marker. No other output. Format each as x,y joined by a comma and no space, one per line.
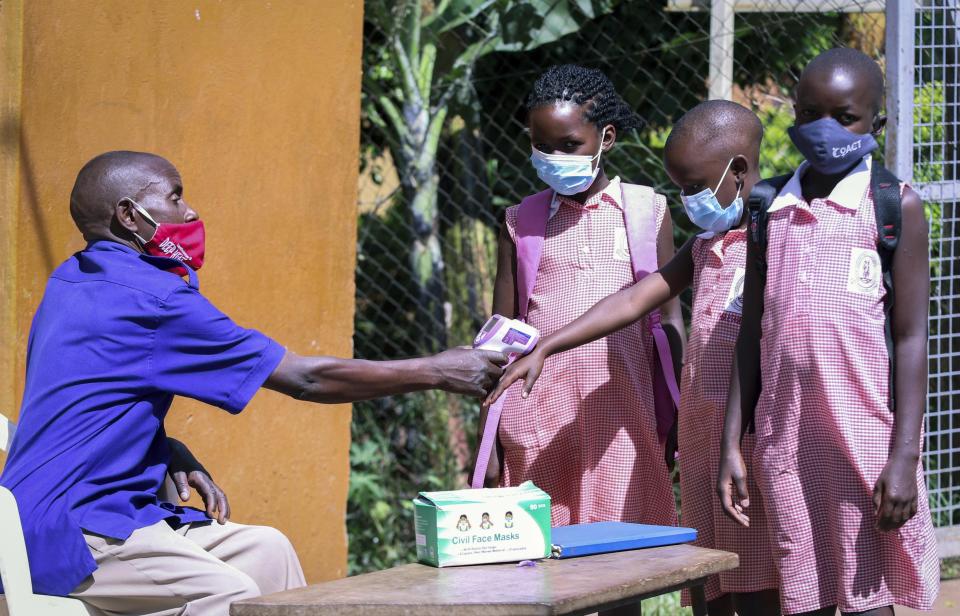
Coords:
923,56
444,152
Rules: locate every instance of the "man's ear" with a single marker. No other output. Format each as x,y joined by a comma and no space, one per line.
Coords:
879,123
609,137
739,167
124,215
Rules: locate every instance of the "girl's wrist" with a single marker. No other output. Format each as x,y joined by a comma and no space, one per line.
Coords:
909,454
546,347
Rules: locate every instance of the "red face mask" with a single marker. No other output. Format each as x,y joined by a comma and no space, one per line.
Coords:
181,241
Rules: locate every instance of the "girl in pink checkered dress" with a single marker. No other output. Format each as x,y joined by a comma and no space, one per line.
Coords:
837,465
712,155
589,437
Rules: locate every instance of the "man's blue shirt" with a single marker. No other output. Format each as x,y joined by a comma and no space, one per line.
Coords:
114,340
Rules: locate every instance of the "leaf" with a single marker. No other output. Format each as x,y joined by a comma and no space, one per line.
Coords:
381,511
532,23
428,59
364,486
453,13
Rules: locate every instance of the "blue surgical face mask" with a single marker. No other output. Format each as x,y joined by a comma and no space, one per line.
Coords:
568,174
829,147
706,212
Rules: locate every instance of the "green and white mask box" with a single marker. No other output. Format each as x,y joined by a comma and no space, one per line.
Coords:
470,527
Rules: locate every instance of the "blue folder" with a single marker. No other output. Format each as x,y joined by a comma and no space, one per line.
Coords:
601,537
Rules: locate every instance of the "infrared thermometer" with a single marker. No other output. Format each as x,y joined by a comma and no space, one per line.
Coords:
509,336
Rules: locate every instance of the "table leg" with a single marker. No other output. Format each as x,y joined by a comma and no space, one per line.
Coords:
699,599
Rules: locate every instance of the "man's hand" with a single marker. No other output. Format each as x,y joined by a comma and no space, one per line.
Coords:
895,495
187,472
468,371
527,368
732,487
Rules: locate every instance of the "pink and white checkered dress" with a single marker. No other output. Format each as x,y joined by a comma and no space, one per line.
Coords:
824,428
715,322
587,433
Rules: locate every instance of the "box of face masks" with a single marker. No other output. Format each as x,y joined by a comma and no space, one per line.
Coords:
469,527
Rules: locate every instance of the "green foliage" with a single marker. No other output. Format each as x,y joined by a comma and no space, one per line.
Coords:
777,153
950,568
774,47
665,605
928,104
397,450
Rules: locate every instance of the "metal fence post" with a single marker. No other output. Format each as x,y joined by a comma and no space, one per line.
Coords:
900,78
722,18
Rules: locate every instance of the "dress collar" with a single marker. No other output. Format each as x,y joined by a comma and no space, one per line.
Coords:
725,238
612,194
846,194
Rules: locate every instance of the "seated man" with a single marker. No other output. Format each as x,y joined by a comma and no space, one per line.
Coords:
117,335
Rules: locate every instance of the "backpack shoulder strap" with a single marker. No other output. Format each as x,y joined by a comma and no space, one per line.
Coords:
885,189
532,214
758,205
886,207
640,219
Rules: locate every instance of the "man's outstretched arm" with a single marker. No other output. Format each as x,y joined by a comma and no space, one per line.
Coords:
332,380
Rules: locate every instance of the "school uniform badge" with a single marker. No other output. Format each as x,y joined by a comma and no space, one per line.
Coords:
864,275
621,249
734,301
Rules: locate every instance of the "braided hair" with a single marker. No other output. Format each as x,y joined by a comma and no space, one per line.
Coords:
580,85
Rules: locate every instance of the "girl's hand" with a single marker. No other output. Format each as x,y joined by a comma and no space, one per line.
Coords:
731,483
895,495
527,368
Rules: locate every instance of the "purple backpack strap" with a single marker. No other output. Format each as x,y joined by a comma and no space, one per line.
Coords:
639,214
490,428
532,214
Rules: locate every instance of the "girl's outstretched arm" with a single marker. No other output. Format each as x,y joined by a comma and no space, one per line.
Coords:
504,303
610,314
743,394
895,494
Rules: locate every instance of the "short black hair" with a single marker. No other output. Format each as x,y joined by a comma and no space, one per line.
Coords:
721,122
580,85
853,62
106,179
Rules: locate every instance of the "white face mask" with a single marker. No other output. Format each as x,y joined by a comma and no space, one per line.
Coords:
567,174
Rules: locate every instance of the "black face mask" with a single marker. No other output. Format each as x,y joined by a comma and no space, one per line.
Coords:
829,147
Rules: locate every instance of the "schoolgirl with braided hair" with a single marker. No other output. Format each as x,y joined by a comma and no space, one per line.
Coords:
589,435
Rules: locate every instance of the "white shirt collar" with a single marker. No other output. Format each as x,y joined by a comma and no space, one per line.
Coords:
613,190
847,193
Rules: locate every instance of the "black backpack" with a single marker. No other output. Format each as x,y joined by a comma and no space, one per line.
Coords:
886,206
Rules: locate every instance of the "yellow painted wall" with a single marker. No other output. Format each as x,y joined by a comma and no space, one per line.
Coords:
256,102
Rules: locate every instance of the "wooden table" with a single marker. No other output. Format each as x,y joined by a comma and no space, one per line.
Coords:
570,586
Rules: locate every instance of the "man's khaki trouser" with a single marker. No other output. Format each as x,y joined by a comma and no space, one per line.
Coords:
197,570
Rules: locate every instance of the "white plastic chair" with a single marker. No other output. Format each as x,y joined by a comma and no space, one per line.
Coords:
7,428
14,567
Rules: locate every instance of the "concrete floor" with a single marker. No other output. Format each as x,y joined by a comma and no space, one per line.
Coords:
948,603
